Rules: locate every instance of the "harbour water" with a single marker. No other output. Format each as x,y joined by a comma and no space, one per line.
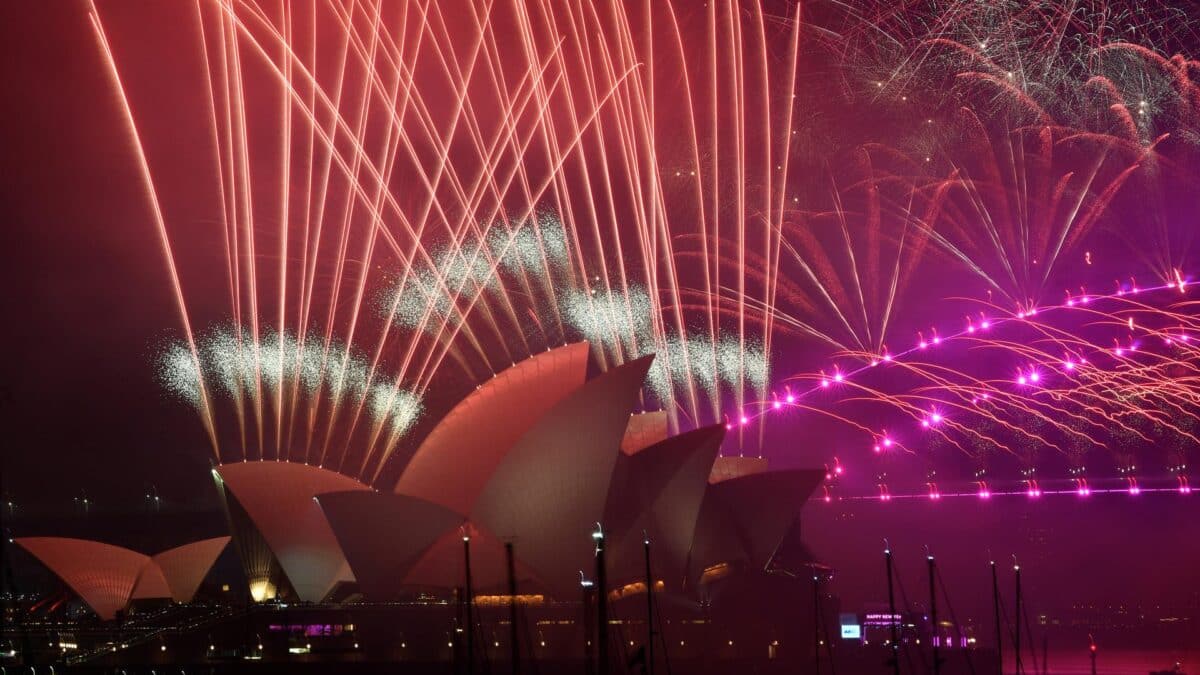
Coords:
1114,662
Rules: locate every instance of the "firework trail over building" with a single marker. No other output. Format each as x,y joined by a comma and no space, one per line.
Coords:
406,199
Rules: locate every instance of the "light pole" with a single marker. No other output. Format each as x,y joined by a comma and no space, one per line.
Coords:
1092,652
996,611
1017,615
470,602
892,618
586,586
649,607
816,623
601,603
933,621
514,647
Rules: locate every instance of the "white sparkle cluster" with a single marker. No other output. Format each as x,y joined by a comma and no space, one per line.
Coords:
622,325
243,369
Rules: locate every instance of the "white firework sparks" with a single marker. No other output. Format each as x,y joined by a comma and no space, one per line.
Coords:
178,374
529,249
400,408
242,367
426,299
610,319
707,366
623,325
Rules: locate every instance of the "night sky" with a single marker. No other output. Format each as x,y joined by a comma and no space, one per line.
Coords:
87,299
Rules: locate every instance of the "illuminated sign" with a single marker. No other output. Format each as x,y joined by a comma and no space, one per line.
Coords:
850,628
313,629
883,619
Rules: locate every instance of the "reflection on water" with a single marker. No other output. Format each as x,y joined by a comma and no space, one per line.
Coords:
1111,662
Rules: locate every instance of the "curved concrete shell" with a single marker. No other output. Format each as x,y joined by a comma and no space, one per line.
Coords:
730,467
553,484
657,493
644,430
151,583
764,505
742,520
184,567
107,577
102,575
279,498
443,564
452,465
385,535
264,575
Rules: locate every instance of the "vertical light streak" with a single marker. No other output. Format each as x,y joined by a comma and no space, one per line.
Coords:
160,225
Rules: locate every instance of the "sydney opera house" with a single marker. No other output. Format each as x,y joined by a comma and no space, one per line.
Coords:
539,494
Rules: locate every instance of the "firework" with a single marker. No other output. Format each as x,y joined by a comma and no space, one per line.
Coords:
1099,376
698,181
320,375
533,179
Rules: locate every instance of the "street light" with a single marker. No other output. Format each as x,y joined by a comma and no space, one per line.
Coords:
601,602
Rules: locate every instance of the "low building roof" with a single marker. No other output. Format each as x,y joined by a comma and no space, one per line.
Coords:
280,498
454,463
554,482
107,577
